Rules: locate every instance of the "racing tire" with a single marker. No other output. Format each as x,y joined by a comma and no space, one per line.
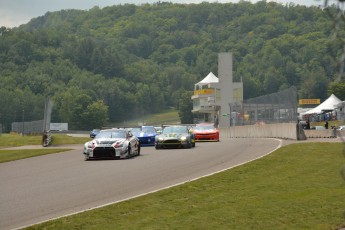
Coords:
189,145
129,152
139,147
157,147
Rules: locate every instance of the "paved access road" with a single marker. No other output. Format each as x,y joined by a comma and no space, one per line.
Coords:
40,188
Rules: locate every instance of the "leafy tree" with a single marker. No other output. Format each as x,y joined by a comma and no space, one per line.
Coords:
338,89
74,103
185,107
95,115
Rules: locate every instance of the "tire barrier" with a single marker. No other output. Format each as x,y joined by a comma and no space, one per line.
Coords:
46,138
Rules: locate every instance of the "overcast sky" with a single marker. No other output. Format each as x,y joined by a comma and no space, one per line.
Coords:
16,12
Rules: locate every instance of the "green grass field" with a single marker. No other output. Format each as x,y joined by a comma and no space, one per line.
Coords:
15,140
299,186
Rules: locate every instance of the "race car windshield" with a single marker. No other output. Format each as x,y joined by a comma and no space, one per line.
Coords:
175,130
203,127
136,131
117,134
148,130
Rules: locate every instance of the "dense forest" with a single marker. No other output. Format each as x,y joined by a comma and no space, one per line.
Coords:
107,65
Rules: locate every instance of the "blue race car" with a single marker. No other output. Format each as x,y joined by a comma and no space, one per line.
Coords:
94,133
146,135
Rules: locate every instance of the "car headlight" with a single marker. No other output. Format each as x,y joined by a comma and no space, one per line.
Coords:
91,145
118,144
184,138
160,138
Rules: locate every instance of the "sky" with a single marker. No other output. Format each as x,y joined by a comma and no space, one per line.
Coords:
16,12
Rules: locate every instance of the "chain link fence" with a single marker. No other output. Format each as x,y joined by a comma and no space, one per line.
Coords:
37,127
280,107
28,127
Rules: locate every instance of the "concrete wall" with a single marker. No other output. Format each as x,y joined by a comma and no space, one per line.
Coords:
281,130
328,133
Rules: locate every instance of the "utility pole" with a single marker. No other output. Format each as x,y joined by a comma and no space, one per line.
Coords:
23,124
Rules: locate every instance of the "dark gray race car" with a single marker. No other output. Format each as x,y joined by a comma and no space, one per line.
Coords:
175,136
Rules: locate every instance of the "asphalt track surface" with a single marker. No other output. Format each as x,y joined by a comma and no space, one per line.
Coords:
36,189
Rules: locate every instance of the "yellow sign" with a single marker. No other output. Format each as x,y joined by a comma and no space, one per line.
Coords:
204,91
309,101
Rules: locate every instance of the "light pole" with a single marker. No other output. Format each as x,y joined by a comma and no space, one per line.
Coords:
23,123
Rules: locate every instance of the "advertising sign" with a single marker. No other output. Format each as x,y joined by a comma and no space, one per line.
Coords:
309,101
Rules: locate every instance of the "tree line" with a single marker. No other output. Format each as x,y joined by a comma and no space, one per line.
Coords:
103,66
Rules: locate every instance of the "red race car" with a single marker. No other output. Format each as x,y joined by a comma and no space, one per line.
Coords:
206,132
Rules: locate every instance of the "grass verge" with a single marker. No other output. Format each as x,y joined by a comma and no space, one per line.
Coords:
15,140
63,139
297,187
12,155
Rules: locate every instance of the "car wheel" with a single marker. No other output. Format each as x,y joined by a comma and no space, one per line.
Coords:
86,157
189,145
139,147
157,147
129,152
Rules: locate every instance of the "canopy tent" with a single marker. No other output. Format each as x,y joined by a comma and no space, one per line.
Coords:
210,78
328,105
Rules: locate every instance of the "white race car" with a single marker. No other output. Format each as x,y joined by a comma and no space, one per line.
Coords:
112,144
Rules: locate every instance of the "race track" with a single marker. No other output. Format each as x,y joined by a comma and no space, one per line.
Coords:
40,188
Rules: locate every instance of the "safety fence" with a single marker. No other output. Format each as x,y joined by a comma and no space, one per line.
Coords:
28,127
33,128
280,107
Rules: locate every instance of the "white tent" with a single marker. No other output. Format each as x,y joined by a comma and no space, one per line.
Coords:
328,104
210,78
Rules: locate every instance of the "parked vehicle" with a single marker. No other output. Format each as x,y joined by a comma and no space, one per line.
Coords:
112,144
342,127
206,132
175,136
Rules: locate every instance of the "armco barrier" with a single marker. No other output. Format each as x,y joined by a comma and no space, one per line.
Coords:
281,130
